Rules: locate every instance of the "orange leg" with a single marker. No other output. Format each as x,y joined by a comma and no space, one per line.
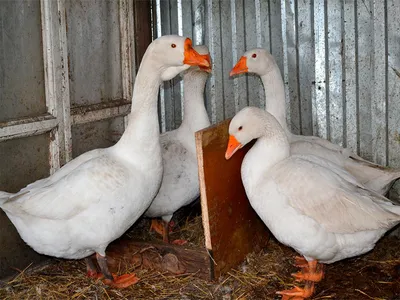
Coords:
122,281
297,293
164,228
157,226
113,280
92,269
300,262
312,272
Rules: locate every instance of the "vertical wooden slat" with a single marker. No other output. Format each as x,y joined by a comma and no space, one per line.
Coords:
128,57
55,53
143,37
126,21
49,39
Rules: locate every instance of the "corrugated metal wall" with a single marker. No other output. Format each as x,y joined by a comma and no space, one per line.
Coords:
340,61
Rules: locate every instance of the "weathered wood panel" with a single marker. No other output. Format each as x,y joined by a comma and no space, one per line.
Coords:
232,228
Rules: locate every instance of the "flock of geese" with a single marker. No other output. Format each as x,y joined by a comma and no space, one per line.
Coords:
316,197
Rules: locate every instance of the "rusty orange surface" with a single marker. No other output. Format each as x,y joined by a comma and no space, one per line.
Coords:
232,228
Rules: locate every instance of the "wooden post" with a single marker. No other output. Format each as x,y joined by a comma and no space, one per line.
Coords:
143,36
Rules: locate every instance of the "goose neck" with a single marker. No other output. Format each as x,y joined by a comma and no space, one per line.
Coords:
274,89
142,131
195,114
270,148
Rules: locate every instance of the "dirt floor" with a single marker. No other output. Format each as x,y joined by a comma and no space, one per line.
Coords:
372,276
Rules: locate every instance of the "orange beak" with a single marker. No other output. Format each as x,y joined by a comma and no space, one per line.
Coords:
233,146
240,67
191,57
207,69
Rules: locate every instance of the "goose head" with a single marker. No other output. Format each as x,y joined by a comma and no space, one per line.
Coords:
258,61
173,54
252,123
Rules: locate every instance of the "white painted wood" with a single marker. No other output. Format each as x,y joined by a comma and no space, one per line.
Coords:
126,17
96,112
64,97
27,127
50,80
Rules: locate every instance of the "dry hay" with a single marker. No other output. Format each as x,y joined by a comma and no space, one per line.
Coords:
372,276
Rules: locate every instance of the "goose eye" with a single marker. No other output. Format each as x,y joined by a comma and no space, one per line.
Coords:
240,128
173,45
254,55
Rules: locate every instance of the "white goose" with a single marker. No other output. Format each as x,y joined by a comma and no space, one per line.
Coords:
308,203
96,197
180,185
262,63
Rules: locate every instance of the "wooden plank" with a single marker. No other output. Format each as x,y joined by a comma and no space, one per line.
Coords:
55,56
27,126
128,254
232,228
143,37
127,32
100,111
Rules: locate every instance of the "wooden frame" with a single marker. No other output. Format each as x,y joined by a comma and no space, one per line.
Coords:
60,117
